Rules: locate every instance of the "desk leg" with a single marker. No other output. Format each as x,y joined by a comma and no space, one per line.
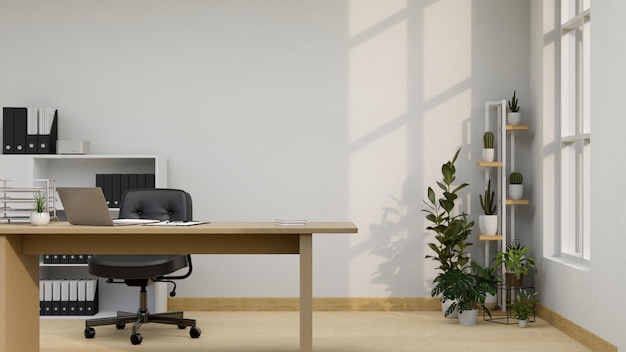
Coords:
306,293
19,297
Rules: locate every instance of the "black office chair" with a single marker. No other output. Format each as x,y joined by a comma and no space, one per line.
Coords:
143,270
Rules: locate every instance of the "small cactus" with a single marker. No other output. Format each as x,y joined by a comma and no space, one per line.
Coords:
487,203
516,178
513,104
488,140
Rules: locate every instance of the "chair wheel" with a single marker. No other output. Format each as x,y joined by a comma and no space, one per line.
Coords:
90,333
182,327
195,332
136,339
120,326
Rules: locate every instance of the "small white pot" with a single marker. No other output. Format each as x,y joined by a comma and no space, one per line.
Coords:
39,219
491,301
488,224
522,323
514,118
468,317
489,154
516,191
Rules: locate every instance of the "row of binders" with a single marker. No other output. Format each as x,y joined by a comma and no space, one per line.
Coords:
66,258
115,185
29,130
68,297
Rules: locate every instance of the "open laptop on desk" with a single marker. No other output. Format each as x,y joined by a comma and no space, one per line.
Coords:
87,206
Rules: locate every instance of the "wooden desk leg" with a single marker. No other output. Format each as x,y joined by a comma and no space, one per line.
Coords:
306,293
19,297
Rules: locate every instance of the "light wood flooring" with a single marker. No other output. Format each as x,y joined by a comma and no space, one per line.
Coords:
333,332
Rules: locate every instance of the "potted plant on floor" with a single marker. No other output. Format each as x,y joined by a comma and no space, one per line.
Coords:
41,216
514,116
489,153
517,263
466,292
488,223
516,188
523,306
452,229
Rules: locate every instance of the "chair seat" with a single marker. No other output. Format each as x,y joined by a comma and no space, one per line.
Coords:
135,266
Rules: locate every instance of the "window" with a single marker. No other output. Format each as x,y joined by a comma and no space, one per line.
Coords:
575,129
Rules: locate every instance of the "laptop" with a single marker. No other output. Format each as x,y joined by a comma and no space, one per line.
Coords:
87,206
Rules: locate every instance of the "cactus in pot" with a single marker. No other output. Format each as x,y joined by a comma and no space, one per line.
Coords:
516,189
514,116
488,151
488,223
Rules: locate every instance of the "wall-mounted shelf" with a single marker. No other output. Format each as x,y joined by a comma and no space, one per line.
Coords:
517,127
517,202
489,164
490,237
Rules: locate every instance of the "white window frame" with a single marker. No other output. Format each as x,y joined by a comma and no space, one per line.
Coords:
575,130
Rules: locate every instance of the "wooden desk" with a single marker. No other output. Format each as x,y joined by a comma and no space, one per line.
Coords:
21,245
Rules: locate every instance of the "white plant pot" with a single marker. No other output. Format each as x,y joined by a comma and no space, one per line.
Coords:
468,317
514,118
444,308
516,191
491,301
522,323
39,219
489,154
488,224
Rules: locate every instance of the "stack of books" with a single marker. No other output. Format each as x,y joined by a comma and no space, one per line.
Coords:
290,222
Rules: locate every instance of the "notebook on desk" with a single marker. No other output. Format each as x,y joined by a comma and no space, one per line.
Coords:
87,206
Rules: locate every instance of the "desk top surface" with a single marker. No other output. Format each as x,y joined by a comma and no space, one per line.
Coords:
215,228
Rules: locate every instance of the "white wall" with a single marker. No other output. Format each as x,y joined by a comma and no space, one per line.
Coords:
327,110
585,296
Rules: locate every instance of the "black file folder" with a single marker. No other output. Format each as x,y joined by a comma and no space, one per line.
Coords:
150,180
8,146
116,191
108,189
47,138
20,120
32,130
91,297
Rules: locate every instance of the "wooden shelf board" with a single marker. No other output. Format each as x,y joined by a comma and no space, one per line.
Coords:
489,163
517,202
490,237
517,127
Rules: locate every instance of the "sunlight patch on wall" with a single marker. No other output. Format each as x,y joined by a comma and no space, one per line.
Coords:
363,15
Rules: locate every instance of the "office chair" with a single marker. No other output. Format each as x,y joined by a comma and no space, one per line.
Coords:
143,270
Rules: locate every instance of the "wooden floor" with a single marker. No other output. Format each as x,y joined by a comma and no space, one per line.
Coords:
333,332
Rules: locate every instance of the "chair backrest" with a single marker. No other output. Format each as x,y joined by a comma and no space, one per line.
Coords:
156,203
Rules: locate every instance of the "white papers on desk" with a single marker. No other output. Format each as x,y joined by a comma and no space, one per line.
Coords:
176,223
289,222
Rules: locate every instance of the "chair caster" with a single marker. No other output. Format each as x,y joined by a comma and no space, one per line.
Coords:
120,326
182,327
90,333
136,339
195,332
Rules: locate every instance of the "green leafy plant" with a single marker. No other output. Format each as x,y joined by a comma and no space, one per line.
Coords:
513,103
516,178
516,259
464,289
451,230
488,139
523,305
488,202
41,201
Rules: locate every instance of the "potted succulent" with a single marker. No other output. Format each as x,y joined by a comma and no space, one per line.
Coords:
514,116
517,262
466,292
451,228
489,153
488,223
523,306
41,216
516,188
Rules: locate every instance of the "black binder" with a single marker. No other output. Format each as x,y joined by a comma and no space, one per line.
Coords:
20,118
150,181
47,141
116,192
107,189
7,131
32,130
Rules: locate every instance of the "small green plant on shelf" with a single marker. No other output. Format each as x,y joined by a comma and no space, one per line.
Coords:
487,203
513,103
488,139
41,202
516,260
516,178
523,305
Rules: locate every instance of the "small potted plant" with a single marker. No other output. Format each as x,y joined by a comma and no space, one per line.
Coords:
488,223
516,188
466,292
489,153
41,216
523,307
489,276
514,116
517,263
